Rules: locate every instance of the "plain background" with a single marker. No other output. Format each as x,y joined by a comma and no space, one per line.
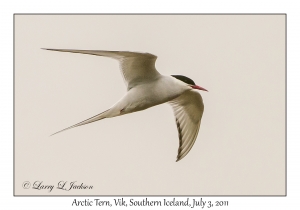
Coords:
6,91
240,149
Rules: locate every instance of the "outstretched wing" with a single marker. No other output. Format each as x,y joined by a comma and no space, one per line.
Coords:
188,109
135,67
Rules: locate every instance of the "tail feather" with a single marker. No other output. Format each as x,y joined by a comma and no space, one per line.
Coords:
87,121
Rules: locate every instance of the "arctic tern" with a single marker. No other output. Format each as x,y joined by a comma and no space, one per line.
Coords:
146,88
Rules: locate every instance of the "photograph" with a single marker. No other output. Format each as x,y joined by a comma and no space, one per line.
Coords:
150,105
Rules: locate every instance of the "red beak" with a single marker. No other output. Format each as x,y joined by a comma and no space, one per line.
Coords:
198,87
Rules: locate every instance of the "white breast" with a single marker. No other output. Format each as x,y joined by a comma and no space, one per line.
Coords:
152,93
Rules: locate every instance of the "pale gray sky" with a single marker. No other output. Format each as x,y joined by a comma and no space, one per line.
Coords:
240,146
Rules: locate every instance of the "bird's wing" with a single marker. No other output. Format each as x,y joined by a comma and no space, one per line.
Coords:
188,109
135,67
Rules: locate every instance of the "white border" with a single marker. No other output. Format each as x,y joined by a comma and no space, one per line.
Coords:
154,6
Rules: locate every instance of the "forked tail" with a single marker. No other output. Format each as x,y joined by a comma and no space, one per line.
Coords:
87,121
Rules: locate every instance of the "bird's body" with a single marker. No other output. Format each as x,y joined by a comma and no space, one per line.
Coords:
146,88
152,93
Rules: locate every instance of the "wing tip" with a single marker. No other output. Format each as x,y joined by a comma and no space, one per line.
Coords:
178,159
49,49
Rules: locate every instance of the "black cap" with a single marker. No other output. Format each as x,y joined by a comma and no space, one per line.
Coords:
184,79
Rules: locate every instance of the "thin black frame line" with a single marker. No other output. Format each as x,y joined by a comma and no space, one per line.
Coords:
14,194
285,105
150,13
14,106
147,196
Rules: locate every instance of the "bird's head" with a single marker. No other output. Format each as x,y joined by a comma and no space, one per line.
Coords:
188,81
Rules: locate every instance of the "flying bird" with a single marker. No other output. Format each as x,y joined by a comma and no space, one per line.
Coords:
146,88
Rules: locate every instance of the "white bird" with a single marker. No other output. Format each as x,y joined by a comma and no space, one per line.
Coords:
146,88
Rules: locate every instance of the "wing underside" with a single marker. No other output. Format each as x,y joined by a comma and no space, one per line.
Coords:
188,109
